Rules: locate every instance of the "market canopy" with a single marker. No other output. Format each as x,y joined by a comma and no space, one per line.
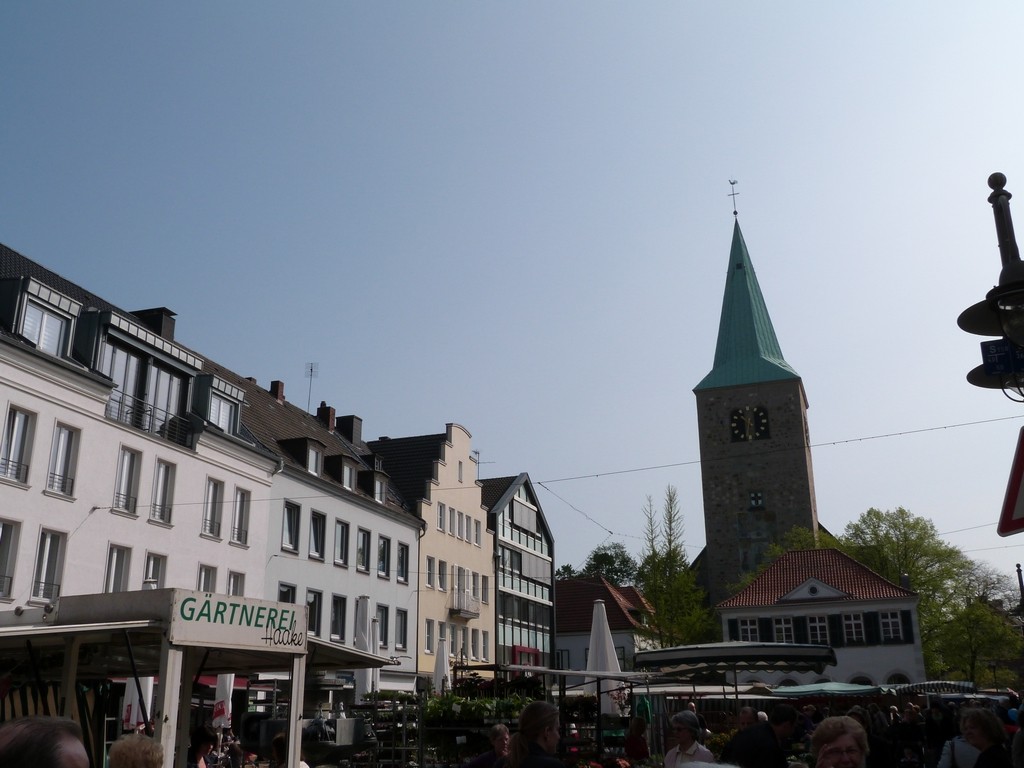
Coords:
935,686
734,656
826,690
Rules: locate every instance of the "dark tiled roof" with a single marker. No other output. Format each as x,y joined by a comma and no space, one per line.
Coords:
574,604
493,489
829,566
410,461
13,264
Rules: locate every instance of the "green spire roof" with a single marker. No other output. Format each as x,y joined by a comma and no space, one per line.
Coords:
748,351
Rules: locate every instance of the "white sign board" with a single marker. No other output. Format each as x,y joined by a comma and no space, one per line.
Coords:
206,619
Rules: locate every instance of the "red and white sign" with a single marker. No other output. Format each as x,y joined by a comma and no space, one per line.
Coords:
1012,519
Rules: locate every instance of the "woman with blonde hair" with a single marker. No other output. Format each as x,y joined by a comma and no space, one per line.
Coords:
839,742
136,750
984,731
536,740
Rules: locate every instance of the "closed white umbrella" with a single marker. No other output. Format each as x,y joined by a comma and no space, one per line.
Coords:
222,701
442,672
602,657
361,641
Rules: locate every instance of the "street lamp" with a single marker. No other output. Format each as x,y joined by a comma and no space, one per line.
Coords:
1002,311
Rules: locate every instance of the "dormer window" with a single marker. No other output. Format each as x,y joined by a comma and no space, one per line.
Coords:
314,460
46,329
222,412
348,476
379,489
217,401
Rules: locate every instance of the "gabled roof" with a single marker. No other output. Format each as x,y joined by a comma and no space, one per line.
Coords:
492,489
850,580
748,351
574,605
409,461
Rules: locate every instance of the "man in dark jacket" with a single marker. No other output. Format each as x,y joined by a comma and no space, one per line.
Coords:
763,745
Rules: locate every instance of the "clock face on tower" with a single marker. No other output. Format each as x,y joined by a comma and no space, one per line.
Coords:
749,423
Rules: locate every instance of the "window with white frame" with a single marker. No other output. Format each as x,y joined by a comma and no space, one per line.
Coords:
442,575
403,563
63,455
236,584
45,328
314,460
464,650
461,528
340,542
339,605
476,532
853,628
440,516
451,520
401,628
314,607
783,629
817,630
453,638
118,561
486,646
290,527
127,484
156,568
475,581
428,636
363,549
892,626
430,572
240,517
348,476
442,633
212,505
286,593
223,412
748,630
460,471
163,493
16,445
382,625
384,557
207,581
485,589
380,490
317,535
474,646
49,565
8,553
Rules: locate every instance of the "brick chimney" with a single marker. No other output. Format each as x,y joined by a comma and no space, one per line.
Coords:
159,320
325,415
277,390
351,428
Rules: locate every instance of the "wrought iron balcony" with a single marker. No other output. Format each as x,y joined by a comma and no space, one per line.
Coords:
464,605
124,502
240,535
45,590
211,527
14,470
161,513
156,421
60,483
5,586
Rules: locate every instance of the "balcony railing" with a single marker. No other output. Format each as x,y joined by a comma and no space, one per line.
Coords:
13,470
60,483
45,590
5,586
125,502
240,535
142,415
211,527
464,604
161,513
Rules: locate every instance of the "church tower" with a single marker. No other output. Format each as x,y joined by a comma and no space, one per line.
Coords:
754,440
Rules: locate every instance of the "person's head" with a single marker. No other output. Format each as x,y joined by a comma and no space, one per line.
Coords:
839,742
981,728
783,719
747,717
136,751
538,724
43,742
686,728
637,726
279,748
499,737
858,714
202,741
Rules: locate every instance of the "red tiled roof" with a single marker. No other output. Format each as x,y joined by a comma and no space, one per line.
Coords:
574,604
829,566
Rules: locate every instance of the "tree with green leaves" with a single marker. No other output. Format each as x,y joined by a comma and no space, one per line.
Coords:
613,562
665,579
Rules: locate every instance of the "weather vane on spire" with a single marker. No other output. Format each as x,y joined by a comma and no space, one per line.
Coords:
732,183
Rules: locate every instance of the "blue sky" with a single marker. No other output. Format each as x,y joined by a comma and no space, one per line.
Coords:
514,216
